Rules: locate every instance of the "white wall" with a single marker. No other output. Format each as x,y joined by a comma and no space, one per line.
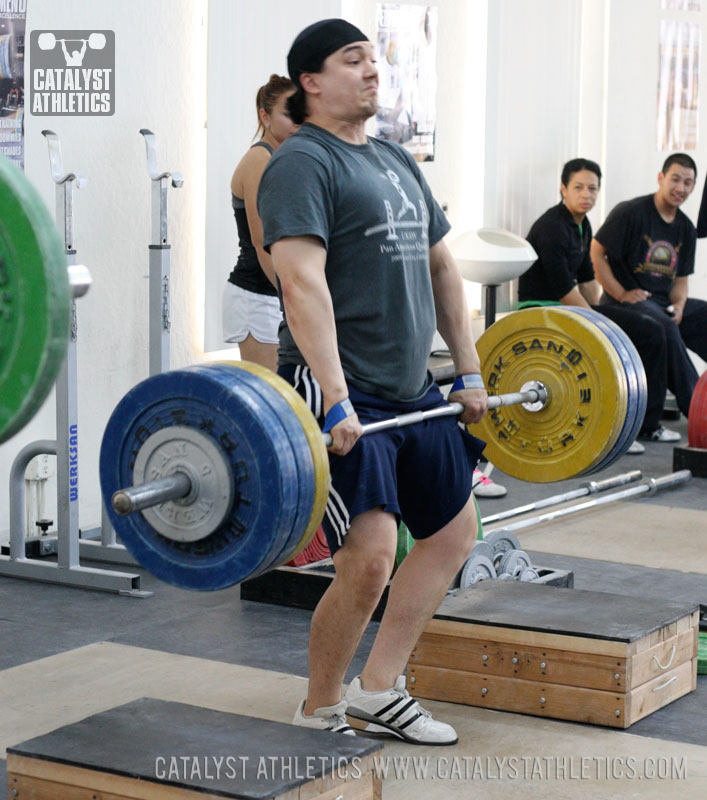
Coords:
532,106
247,42
160,84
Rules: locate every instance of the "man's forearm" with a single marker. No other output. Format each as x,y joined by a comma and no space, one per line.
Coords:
315,335
678,294
575,297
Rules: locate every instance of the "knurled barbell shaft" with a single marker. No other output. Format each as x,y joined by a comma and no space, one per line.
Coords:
174,487
452,410
137,498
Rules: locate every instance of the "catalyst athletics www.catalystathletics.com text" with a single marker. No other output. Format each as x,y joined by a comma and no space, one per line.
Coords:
421,768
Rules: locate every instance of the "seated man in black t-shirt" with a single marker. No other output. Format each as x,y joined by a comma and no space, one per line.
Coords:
563,274
643,255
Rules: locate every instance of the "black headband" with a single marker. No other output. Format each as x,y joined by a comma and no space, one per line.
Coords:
317,42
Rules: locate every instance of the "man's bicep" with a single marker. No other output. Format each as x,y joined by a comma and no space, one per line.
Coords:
298,257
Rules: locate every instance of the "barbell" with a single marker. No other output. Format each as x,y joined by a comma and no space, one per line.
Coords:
219,472
47,41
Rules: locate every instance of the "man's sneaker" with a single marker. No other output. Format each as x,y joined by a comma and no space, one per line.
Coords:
483,486
636,448
661,435
393,711
326,718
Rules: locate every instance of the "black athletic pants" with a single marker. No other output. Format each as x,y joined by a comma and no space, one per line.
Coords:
647,324
648,338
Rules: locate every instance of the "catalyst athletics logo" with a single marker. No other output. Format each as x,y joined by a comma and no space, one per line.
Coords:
73,73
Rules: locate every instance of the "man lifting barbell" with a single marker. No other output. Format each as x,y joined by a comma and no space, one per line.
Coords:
96,41
362,276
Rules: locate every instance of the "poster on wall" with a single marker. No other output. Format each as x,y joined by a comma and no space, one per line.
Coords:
407,55
12,79
678,84
681,5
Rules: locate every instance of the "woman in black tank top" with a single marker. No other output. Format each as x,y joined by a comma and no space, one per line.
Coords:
251,310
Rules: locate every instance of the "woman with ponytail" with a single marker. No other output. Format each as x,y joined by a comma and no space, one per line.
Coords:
251,308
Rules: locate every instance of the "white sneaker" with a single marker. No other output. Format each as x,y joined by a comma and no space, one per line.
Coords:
483,486
326,718
636,448
661,434
393,711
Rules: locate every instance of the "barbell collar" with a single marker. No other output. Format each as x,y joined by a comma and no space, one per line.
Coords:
146,495
536,395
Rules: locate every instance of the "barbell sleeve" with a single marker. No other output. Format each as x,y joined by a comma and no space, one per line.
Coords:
146,495
538,395
651,486
174,487
589,487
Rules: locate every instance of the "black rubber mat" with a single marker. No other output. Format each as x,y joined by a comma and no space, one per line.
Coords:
148,737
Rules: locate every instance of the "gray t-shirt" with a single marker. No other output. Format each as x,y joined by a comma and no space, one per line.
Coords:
375,214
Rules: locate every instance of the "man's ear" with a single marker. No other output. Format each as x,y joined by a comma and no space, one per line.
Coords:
310,82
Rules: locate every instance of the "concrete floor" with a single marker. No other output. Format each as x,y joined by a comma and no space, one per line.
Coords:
66,653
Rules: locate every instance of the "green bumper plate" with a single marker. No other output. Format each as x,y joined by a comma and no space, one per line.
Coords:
35,300
702,653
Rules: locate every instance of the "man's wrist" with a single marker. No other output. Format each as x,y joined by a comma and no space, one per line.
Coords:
467,380
337,413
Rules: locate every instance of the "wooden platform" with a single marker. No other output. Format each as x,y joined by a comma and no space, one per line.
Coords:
567,654
154,750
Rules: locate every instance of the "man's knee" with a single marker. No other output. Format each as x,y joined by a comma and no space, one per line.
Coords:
365,570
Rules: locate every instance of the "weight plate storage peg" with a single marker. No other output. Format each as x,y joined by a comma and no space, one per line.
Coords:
213,401
35,300
587,394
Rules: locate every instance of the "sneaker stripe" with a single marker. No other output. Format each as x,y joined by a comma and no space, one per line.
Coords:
412,702
404,725
390,706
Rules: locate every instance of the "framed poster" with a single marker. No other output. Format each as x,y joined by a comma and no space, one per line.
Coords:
678,84
12,80
407,56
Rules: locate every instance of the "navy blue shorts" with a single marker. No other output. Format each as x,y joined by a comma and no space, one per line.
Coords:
422,473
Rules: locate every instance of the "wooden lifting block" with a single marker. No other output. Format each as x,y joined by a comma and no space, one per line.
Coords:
156,750
562,653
